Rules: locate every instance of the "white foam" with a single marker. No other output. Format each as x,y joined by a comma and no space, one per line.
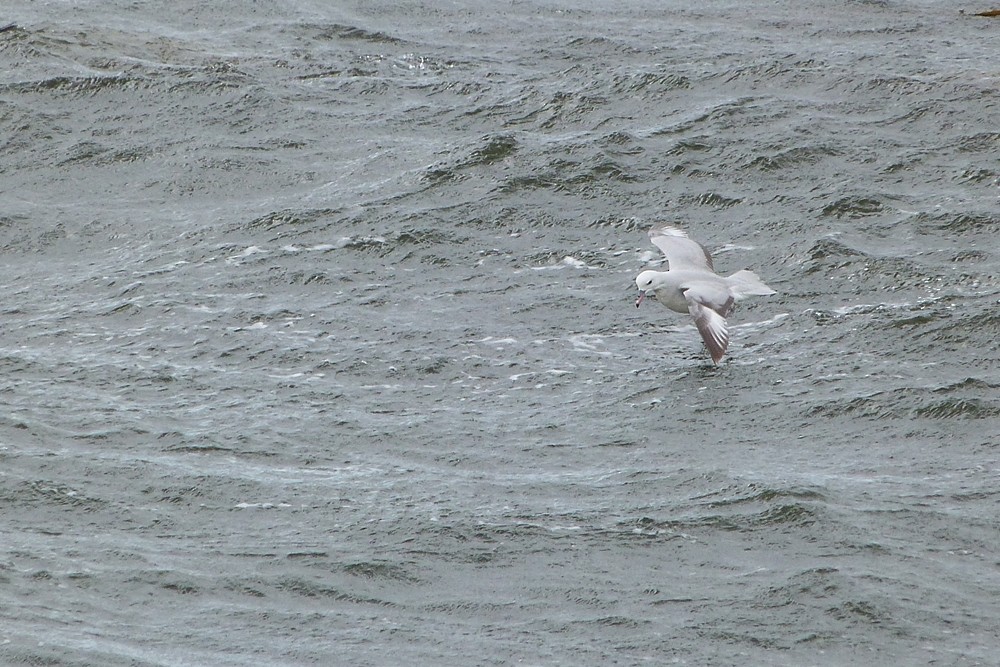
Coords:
566,262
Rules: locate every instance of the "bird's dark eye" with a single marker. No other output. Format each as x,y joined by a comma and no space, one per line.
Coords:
649,282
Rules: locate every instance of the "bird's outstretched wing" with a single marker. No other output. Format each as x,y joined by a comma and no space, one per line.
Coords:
681,251
707,311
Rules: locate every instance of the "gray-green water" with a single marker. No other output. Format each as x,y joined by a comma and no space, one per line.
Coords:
319,347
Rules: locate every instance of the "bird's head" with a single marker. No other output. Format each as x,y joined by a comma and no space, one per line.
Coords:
647,281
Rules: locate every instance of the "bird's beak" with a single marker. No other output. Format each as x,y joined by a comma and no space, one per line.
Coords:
642,295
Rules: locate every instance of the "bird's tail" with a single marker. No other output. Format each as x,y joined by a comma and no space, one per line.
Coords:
747,283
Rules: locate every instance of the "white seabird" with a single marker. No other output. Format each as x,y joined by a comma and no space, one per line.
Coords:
691,285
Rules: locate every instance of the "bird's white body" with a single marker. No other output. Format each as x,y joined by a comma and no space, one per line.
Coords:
691,285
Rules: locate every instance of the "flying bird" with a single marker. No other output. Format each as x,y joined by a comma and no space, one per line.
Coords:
691,285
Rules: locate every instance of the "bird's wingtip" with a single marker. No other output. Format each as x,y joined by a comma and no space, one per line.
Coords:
667,230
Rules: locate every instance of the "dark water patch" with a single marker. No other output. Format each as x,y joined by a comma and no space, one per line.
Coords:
465,607
616,622
753,494
181,587
522,528
649,83
908,403
609,170
962,329
86,151
54,656
324,74
291,222
179,495
602,43
567,107
426,237
458,89
251,588
983,142
369,244
158,581
49,493
78,86
543,181
26,46
970,383
967,408
620,443
797,610
11,224
436,175
462,544
566,176
339,31
766,69
916,116
310,556
748,510
623,225
317,278
897,86
976,496
620,139
936,321
308,588
712,199
829,254
979,175
435,365
970,256
866,271
859,611
495,149
815,584
960,223
126,308
854,207
919,319
199,448
210,77
685,146
793,158
789,513
826,249
866,406
903,165
363,81
379,571
212,493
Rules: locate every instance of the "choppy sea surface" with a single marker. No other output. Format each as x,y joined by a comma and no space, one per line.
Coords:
319,346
